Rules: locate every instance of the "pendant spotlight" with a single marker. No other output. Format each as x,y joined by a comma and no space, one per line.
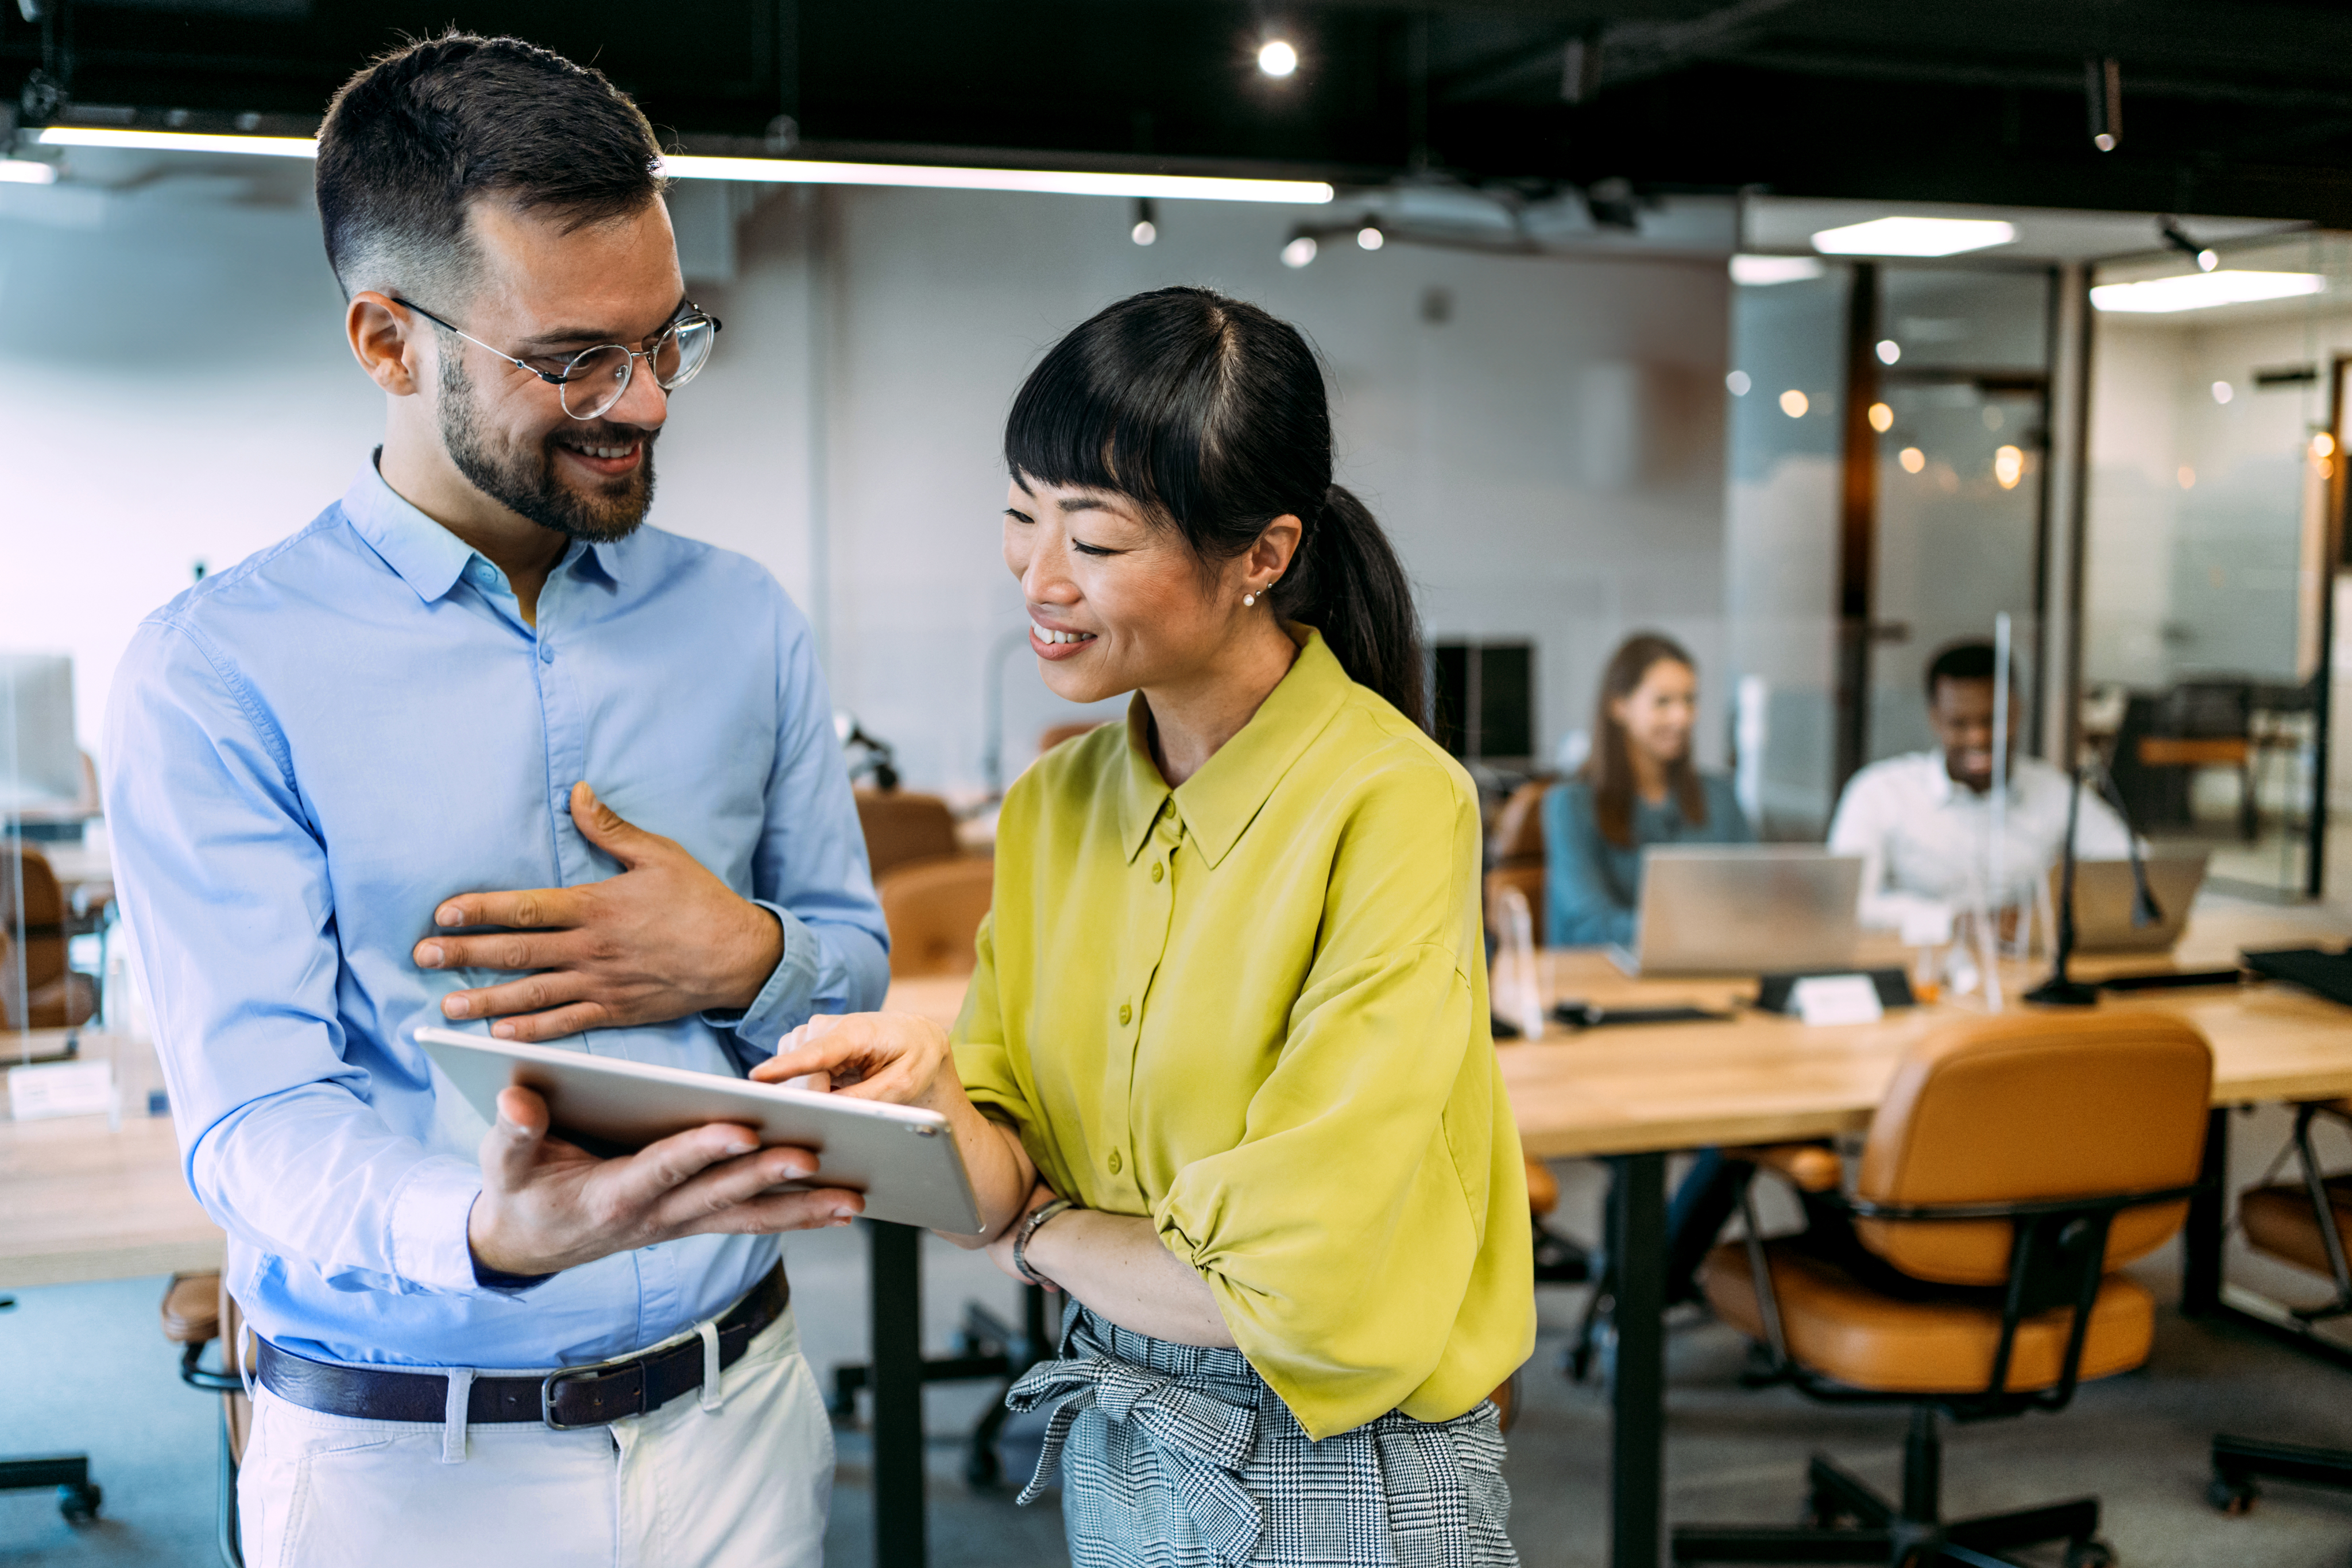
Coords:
1370,237
2103,89
1277,58
2206,257
1147,222
1299,251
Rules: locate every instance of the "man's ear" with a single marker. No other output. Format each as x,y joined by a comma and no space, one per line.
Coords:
388,341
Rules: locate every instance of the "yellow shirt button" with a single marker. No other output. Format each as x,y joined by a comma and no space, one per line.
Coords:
1125,1013
1114,1162
1155,871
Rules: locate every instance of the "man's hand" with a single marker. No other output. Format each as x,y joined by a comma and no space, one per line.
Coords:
663,940
546,1205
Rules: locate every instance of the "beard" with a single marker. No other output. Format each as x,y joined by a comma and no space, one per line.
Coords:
523,477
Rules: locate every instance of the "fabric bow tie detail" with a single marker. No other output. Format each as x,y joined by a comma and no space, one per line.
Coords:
1204,1438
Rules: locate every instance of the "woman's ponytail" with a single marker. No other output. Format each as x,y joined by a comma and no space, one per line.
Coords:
1213,415
1347,583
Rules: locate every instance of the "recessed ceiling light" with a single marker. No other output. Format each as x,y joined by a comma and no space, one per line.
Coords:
1761,271
2203,291
1914,236
1277,59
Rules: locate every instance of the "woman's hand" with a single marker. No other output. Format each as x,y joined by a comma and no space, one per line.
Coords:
1000,1251
894,1057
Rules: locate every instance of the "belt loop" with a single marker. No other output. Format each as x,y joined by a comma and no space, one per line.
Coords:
713,1394
453,1415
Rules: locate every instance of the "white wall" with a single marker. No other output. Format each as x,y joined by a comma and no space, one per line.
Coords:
176,389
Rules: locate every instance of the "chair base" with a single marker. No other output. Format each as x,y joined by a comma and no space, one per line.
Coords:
987,1348
2237,1461
77,1495
1846,1520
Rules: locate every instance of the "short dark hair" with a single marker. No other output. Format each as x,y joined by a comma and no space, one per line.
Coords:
423,131
1970,659
1211,414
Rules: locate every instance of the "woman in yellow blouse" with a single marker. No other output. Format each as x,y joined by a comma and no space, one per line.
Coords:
1225,1074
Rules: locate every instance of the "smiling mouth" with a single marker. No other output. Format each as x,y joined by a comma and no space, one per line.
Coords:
1047,635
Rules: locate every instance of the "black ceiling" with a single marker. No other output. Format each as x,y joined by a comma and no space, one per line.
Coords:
2228,106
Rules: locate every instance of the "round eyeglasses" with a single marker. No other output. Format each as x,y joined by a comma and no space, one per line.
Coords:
592,380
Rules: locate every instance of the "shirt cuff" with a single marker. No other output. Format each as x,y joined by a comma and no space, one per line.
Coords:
784,1001
429,1214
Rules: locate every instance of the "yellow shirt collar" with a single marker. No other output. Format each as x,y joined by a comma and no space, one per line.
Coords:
1218,803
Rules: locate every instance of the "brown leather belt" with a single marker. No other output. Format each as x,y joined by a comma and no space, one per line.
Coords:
569,1396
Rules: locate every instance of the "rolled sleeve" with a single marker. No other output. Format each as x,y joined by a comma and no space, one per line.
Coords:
430,1211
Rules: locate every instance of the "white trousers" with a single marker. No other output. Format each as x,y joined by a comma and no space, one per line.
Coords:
744,1486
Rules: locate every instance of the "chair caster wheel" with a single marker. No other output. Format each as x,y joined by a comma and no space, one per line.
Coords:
79,1504
2232,1497
2090,1554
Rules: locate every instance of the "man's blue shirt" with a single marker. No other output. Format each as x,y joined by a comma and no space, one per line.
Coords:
307,754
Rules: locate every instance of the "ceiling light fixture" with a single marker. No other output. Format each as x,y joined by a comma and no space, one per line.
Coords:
784,170
2103,92
1912,459
1298,252
1147,222
2008,466
1763,271
27,172
1794,403
2203,291
1889,351
1277,59
1738,383
2223,391
1370,237
1882,418
1914,236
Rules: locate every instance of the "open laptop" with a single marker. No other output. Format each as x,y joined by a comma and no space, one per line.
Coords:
2103,902
1744,909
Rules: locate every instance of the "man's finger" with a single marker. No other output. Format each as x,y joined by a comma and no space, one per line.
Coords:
776,1211
532,994
545,908
510,1148
645,1178
608,829
507,950
727,1183
577,1018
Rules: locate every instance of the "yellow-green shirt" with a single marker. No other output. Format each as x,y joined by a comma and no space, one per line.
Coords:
1254,1008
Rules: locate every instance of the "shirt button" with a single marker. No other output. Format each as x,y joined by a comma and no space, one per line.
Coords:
1114,1162
1155,871
546,652
1125,1012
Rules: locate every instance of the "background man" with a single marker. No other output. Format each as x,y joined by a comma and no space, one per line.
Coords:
309,754
1922,822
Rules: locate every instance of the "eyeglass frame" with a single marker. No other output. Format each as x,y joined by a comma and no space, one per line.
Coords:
688,314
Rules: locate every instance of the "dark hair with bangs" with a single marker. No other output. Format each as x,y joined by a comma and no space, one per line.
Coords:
1610,770
1211,415
423,131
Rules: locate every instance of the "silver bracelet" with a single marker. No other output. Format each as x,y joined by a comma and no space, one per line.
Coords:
1030,1226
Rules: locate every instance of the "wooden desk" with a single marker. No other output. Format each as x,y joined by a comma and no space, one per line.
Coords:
1634,1093
91,1201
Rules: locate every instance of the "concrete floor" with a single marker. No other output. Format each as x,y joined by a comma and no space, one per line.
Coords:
89,1371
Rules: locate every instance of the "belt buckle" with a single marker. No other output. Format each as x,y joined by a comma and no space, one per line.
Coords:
563,1375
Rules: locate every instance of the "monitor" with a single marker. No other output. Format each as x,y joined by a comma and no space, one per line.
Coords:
40,761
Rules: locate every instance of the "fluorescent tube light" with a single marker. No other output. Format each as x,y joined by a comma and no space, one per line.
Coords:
27,172
1759,271
781,170
1913,236
178,142
2203,291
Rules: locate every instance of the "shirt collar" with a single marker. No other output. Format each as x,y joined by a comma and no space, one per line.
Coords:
428,557
1941,789
1220,801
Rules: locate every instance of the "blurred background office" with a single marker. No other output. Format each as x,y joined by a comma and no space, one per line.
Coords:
1810,334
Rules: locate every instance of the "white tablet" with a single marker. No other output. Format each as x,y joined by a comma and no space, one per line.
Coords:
903,1159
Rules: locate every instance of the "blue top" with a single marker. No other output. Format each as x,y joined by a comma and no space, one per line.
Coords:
1591,888
306,754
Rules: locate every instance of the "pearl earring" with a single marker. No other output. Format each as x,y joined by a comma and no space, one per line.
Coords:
1249,598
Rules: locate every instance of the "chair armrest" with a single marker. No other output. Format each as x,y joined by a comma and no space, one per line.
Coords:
192,1309
1809,1168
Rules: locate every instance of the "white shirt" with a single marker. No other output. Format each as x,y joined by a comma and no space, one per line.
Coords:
1926,842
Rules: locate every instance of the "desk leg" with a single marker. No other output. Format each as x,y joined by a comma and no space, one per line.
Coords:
1637,1200
2200,1239
896,1310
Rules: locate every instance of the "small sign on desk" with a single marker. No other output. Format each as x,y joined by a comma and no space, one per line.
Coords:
1836,998
61,1089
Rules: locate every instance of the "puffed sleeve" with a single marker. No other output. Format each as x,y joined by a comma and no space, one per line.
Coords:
1344,1292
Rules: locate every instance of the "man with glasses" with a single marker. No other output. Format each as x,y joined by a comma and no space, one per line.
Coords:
334,767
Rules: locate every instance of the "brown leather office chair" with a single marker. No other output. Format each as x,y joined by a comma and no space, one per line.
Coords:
934,909
2015,1165
2308,1224
902,826
197,1309
56,996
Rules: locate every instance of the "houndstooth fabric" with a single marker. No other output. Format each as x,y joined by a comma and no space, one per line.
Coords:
1174,1455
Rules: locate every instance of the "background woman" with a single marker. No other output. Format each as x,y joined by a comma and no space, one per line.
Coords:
1224,1073
1640,789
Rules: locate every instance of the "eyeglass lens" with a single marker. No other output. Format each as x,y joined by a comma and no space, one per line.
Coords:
595,382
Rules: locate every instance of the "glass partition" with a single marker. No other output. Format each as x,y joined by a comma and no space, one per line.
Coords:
2211,547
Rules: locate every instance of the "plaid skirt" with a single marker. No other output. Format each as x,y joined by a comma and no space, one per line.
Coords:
1175,1455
